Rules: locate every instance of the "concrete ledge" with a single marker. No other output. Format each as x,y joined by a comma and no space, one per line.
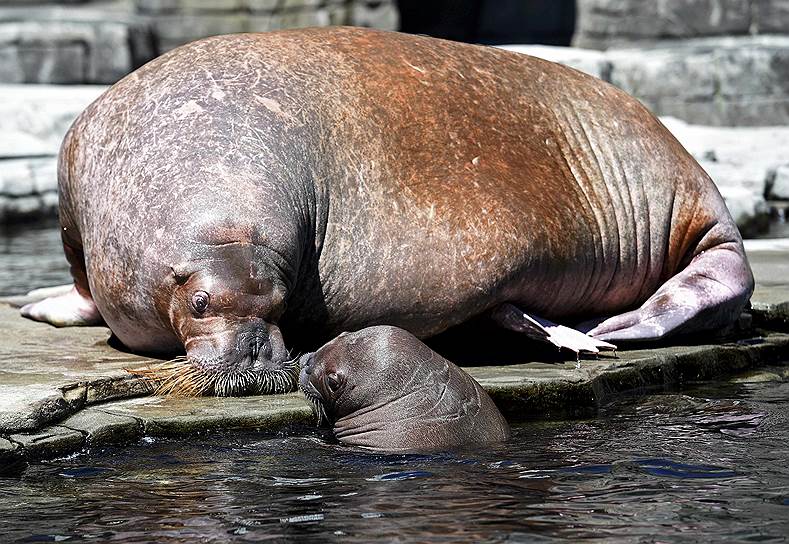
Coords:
529,390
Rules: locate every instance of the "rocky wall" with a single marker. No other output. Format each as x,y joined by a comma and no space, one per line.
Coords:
101,41
606,23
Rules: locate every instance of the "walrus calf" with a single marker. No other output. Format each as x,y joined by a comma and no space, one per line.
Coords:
381,388
244,190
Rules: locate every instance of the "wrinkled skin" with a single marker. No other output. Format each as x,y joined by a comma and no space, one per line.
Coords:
321,180
383,389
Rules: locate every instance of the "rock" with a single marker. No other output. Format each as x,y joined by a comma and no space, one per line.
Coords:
185,416
770,16
748,210
778,183
740,160
38,116
55,441
603,23
741,81
49,44
175,30
381,14
102,428
769,260
33,121
47,374
716,81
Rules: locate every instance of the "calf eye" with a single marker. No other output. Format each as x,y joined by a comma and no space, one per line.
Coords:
333,381
200,301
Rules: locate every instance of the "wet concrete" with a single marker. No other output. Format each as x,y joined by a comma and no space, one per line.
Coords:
769,260
65,389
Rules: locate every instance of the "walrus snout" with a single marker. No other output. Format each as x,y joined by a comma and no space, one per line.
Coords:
241,358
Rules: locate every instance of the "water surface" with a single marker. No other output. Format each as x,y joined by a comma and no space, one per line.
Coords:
710,464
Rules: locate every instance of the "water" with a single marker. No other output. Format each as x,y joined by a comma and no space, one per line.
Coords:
708,464
31,256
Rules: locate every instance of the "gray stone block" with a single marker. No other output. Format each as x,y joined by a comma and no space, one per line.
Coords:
754,67
21,208
299,4
175,30
44,175
261,23
52,442
338,14
374,14
300,19
102,428
602,23
719,81
76,44
111,58
156,7
771,16
778,184
651,75
10,70
208,6
262,5
16,178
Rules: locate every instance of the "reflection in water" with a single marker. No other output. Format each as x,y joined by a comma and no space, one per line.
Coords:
711,464
31,256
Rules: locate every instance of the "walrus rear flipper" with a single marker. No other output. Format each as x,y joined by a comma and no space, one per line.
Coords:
511,317
710,293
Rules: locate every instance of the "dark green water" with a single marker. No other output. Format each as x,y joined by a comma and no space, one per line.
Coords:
707,465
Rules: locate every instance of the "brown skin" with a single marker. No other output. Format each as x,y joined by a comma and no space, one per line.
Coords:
382,389
321,180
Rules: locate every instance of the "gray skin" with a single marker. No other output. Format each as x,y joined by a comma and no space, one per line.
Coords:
307,182
381,388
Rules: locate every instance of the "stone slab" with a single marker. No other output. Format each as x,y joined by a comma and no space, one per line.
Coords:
54,441
48,373
162,416
577,388
102,428
769,260
602,23
722,81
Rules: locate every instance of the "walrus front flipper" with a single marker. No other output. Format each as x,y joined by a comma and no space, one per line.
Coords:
710,293
511,317
68,309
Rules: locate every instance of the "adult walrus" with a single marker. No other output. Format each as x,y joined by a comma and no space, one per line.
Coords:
383,389
245,188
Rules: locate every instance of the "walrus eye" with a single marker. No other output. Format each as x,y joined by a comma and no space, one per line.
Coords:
333,381
200,301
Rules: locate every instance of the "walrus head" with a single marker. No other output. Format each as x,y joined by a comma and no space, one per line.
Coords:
357,373
224,304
